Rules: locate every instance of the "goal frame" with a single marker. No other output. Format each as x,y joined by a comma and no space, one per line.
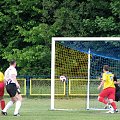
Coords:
55,39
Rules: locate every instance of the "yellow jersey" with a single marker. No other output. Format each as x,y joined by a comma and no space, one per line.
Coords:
1,77
108,80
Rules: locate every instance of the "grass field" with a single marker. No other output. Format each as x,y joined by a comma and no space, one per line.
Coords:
38,109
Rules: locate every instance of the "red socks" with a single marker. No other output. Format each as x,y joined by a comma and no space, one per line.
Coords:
114,105
105,102
102,100
2,104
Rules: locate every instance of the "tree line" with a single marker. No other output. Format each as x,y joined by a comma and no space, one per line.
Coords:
27,26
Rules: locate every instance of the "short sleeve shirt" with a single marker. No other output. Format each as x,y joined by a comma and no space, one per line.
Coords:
108,80
8,74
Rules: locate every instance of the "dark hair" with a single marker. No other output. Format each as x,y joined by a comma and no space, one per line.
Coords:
106,67
12,62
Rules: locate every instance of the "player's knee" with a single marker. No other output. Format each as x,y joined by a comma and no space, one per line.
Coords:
110,100
20,97
98,98
13,99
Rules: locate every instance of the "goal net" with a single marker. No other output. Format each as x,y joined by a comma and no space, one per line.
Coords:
81,60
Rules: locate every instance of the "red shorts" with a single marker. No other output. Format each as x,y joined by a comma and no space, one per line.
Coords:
1,89
108,93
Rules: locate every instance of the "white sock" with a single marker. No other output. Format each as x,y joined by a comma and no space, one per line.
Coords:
17,107
9,104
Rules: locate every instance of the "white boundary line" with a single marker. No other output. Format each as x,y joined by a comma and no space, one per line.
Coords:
93,109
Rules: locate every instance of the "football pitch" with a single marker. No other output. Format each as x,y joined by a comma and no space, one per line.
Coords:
38,109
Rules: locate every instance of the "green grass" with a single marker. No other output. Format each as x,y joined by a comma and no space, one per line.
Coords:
38,109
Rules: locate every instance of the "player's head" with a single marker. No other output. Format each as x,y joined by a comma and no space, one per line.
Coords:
13,63
106,68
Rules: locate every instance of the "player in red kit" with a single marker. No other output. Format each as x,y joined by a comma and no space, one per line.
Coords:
2,102
108,89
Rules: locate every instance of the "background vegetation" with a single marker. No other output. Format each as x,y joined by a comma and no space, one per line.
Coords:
26,28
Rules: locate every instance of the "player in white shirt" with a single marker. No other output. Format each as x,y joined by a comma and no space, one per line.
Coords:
12,87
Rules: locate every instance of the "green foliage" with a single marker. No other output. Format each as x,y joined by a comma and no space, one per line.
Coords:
26,28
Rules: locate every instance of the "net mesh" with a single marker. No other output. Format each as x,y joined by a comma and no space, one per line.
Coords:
97,63
109,49
71,60
73,65
41,87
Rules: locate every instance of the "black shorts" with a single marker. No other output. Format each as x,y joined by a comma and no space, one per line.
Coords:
12,89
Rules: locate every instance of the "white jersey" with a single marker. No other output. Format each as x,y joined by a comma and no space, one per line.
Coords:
8,75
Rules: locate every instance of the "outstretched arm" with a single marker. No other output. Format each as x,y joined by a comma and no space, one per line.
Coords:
101,84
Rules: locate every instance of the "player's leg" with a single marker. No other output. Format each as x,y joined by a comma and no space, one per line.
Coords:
111,98
113,104
107,106
101,97
2,102
11,89
9,104
18,104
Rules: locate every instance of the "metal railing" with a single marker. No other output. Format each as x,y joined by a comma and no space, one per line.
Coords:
42,87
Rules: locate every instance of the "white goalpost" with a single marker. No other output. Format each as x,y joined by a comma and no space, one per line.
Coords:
76,58
53,75
88,84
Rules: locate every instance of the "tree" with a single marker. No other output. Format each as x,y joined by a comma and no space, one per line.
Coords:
26,28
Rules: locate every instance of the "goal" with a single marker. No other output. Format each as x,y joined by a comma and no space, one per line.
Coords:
81,59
